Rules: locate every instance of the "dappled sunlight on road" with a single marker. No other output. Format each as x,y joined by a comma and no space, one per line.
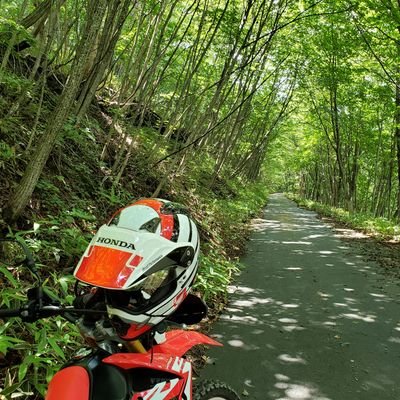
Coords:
294,391
309,319
238,311
360,317
291,359
299,242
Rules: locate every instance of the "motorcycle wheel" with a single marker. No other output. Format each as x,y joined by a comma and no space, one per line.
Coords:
214,390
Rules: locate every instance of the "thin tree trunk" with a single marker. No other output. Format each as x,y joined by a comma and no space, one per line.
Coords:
11,43
41,11
397,138
397,128
47,39
19,199
111,32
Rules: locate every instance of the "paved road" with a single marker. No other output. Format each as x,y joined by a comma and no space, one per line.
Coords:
308,317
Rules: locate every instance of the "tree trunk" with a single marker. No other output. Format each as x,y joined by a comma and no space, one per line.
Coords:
117,13
19,199
397,128
11,43
397,138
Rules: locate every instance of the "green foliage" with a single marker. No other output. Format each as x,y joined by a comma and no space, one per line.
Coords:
9,28
41,346
7,153
215,274
14,84
381,228
61,238
338,145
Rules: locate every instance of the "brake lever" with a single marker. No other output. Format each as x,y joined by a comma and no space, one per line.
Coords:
163,326
30,312
38,300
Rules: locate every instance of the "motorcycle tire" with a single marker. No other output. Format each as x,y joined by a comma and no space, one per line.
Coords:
214,390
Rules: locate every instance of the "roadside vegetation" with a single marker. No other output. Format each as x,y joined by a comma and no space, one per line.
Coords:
380,228
69,206
31,353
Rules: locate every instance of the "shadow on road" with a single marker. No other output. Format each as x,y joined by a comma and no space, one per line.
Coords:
308,317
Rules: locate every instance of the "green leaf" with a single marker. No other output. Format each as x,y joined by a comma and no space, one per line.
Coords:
23,368
10,389
7,342
42,342
8,275
56,348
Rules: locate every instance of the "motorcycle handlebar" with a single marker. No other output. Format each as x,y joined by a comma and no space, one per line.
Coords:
31,315
10,313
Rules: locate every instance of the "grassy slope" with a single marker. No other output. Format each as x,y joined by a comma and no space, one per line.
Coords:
74,197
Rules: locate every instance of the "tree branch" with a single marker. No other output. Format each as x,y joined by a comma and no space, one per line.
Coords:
297,18
208,131
377,58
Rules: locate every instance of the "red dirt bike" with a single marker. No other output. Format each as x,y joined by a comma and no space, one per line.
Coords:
153,367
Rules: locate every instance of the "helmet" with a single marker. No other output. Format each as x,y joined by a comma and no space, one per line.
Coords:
146,259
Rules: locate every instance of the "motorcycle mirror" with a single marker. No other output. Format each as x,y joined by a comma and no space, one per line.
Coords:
12,253
191,311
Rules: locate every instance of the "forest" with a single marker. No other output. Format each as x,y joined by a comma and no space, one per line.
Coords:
213,104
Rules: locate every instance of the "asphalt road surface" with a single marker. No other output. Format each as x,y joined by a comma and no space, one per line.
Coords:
308,318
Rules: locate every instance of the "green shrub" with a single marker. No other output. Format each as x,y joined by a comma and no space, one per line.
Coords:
42,346
377,226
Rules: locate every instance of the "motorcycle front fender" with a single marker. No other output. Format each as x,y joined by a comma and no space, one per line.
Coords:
177,373
60,387
178,342
87,377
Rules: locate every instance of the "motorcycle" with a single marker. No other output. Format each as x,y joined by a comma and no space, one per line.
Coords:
153,366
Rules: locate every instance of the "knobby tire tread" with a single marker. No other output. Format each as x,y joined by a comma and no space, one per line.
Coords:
208,389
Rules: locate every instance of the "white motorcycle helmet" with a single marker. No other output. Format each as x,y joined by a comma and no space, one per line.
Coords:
146,259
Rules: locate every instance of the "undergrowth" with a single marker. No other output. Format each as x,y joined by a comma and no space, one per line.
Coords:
379,227
74,196
34,352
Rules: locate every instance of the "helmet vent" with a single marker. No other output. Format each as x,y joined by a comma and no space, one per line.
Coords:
151,226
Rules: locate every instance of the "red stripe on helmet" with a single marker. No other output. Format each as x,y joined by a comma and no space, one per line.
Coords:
167,221
154,204
136,261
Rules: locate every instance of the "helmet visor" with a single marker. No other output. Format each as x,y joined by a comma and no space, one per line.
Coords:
157,281
152,288
138,218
